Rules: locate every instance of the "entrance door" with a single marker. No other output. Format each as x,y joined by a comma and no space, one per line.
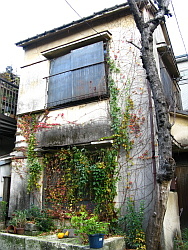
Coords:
182,189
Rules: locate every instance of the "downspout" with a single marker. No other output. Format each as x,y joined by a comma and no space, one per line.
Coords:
152,133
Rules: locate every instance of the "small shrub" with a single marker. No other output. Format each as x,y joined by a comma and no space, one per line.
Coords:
135,236
3,210
33,212
44,222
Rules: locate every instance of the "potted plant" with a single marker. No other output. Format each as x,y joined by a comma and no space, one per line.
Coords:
91,226
19,221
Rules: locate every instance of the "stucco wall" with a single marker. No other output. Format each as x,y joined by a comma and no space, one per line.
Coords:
171,224
92,120
179,129
137,172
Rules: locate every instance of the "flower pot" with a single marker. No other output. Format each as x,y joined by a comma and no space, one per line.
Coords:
20,230
11,229
96,240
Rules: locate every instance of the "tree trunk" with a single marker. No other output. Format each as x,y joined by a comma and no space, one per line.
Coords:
166,163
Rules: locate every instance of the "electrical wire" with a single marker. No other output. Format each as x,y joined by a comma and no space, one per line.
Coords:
179,29
81,17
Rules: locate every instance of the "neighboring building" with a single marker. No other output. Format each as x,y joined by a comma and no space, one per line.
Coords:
66,83
8,105
182,62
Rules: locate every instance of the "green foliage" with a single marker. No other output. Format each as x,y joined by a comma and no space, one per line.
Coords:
44,222
120,117
33,212
35,169
77,174
28,125
19,219
181,243
135,236
85,225
3,210
39,217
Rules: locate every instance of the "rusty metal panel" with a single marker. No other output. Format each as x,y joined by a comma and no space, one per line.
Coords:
89,81
60,89
87,55
77,75
60,64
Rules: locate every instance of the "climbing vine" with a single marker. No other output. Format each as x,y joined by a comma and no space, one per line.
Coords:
77,176
28,125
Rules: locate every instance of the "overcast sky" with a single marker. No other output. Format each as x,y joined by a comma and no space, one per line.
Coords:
21,19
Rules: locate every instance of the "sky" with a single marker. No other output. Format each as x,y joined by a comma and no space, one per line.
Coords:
21,19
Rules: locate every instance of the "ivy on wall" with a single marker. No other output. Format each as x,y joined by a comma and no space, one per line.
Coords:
76,175
28,125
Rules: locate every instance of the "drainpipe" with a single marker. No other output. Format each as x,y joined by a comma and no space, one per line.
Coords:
152,132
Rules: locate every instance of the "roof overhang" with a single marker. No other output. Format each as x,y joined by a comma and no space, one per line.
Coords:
86,20
179,130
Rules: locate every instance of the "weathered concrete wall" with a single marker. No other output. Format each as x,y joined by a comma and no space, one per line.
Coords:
19,242
179,129
88,122
171,224
75,134
32,88
78,124
91,121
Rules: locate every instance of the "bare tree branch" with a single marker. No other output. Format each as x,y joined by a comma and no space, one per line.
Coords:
131,42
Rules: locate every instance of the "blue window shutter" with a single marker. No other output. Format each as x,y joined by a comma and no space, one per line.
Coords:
77,75
60,64
89,71
60,89
89,81
87,55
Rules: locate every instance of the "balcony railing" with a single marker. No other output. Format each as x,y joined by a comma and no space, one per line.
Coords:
8,98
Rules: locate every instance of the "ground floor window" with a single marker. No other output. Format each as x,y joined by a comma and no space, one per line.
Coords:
79,178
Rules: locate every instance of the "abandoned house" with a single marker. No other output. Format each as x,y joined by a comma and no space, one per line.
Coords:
85,112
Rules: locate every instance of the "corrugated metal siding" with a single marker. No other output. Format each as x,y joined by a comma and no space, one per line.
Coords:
77,75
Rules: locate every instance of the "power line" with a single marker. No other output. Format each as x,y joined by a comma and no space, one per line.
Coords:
179,29
81,17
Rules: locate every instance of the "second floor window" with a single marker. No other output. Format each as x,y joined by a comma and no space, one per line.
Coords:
78,75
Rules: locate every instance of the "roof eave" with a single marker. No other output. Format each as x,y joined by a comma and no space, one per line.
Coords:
92,17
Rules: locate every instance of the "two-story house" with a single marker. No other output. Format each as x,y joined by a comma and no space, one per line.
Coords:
85,106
